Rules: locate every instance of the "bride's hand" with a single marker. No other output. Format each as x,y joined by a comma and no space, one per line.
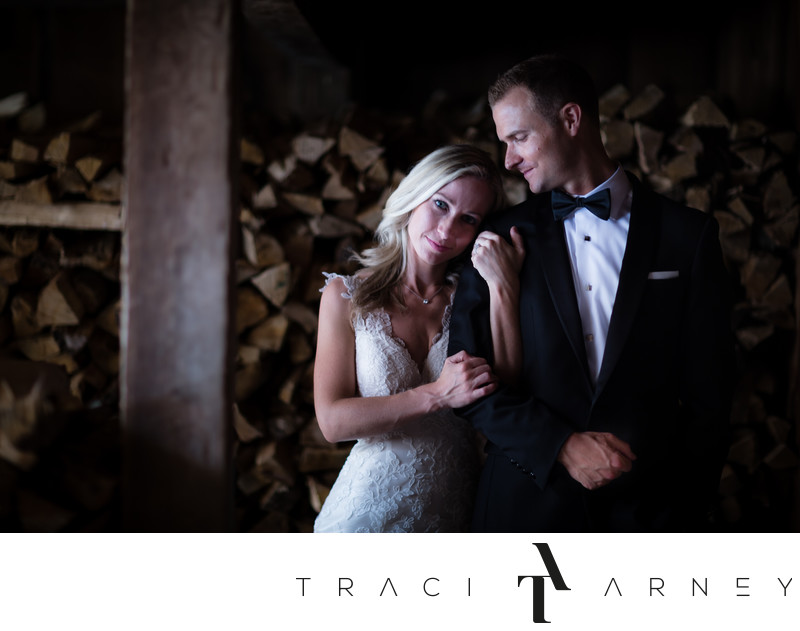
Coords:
496,260
464,379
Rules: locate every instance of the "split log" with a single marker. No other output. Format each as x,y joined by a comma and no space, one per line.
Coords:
262,249
782,230
269,334
39,347
25,150
67,181
686,140
335,190
67,147
362,151
276,460
309,204
16,170
376,176
303,314
290,174
739,208
681,167
643,103
612,100
704,113
698,197
744,451
10,269
95,292
247,355
13,104
618,138
752,335
59,304
264,198
274,283
108,189
310,149
329,226
779,428
251,308
317,493
778,197
781,457
648,141
95,165
300,348
248,379
244,430
23,314
251,152
35,192
758,273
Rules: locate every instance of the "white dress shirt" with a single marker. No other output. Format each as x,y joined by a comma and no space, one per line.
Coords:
596,248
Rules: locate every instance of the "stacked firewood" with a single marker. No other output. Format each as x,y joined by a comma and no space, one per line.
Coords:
310,196
59,321
746,174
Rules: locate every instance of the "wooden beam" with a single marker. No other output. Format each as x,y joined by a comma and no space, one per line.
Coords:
181,157
794,369
76,216
794,389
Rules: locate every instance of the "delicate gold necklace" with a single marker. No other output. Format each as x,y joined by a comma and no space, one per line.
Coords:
425,301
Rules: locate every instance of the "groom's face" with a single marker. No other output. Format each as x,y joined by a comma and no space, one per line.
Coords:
535,146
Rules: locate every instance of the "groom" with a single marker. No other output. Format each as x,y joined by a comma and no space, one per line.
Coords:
619,419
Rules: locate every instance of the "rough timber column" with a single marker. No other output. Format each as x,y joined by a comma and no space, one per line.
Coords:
181,155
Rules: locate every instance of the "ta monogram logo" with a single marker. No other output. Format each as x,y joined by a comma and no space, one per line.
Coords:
554,574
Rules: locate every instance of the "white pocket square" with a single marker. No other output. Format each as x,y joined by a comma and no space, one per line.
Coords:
663,275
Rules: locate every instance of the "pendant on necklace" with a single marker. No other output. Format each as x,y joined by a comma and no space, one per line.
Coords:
425,301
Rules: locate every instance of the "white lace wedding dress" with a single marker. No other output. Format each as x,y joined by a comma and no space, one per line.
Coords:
420,479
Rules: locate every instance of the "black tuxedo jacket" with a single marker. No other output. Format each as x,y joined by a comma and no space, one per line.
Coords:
664,384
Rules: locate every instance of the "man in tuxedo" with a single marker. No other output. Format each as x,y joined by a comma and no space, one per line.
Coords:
618,421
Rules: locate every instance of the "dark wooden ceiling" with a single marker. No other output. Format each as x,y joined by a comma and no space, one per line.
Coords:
397,54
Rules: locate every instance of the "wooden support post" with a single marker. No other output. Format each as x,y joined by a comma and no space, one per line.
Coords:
794,390
181,157
794,369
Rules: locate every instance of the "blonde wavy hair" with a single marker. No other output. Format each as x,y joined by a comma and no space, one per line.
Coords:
387,259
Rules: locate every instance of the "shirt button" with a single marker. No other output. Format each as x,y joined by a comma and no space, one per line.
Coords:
588,288
589,337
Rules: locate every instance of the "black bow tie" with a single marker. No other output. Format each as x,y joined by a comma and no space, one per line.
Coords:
599,204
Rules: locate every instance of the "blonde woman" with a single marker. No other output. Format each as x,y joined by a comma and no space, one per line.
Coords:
382,377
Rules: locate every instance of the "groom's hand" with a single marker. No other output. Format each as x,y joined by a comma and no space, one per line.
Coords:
595,458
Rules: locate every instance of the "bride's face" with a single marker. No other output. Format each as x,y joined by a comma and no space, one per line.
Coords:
443,226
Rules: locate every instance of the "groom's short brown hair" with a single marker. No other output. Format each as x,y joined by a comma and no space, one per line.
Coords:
553,81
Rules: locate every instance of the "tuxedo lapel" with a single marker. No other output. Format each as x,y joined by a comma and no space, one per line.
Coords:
639,250
552,249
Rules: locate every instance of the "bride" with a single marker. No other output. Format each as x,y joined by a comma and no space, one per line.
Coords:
381,375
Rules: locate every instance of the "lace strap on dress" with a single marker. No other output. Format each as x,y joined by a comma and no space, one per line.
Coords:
349,283
448,309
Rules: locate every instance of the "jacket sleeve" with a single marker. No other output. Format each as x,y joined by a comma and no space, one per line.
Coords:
708,363
515,423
